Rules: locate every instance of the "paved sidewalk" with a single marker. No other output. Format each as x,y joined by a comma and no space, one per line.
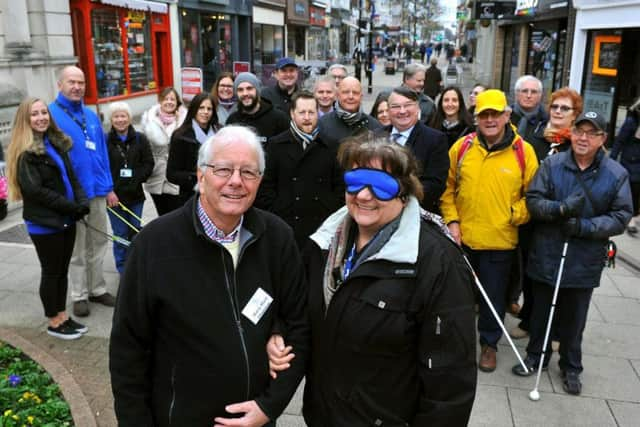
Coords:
611,393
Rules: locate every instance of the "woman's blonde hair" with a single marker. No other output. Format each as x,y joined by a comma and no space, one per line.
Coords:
22,139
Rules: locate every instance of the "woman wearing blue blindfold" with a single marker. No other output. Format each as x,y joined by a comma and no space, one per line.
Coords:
390,304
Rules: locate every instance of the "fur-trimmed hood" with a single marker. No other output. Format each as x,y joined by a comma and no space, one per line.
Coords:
62,144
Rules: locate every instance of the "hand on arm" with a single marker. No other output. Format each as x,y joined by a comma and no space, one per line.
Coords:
253,415
279,355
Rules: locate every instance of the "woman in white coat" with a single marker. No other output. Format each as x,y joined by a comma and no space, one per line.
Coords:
158,123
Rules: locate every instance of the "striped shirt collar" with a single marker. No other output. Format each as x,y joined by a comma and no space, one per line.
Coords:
213,232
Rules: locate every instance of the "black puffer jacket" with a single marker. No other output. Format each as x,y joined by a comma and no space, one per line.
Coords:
396,345
556,179
42,187
134,154
280,99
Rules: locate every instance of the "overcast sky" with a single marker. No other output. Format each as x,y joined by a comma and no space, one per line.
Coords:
449,16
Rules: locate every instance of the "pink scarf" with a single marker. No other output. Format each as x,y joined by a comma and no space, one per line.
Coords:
167,118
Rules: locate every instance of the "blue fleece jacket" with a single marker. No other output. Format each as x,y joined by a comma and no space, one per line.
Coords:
90,160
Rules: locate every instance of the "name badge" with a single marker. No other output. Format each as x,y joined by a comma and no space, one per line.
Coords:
126,173
90,145
257,306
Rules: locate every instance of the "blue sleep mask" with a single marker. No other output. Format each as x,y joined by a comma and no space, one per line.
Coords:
382,185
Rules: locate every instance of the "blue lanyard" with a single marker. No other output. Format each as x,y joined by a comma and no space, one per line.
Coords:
348,264
82,124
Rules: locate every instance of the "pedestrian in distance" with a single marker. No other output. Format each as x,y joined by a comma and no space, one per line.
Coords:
222,95
131,163
302,182
380,109
40,174
483,205
199,125
158,124
549,138
626,149
451,115
581,197
200,297
433,79
90,160
390,303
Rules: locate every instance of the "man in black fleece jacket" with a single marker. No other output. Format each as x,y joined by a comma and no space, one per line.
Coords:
254,111
202,289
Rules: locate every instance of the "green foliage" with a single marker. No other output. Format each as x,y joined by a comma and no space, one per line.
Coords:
28,395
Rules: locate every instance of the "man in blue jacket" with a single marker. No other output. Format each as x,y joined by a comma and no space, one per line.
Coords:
90,161
581,197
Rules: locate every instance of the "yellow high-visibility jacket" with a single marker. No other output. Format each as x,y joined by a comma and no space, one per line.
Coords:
489,198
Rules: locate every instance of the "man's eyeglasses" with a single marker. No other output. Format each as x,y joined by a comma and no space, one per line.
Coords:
489,114
591,134
398,107
563,108
529,91
223,171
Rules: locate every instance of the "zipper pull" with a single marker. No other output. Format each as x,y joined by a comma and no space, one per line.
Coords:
438,321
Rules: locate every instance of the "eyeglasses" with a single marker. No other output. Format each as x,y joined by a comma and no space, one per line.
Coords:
398,107
223,171
591,134
382,185
226,86
489,114
529,91
563,108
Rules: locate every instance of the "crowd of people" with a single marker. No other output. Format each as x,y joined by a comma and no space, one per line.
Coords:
299,236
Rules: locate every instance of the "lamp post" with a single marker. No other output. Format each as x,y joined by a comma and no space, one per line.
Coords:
370,51
357,53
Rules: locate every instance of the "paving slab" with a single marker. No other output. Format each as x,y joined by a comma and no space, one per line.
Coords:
604,378
608,339
626,414
555,410
629,286
22,310
491,407
608,286
620,310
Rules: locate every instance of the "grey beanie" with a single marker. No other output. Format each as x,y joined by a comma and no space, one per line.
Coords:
248,78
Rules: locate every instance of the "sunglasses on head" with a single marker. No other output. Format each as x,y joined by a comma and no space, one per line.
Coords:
382,185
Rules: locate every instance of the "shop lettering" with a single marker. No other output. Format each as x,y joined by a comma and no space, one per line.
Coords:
527,4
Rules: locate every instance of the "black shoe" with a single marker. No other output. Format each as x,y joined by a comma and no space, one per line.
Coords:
75,325
63,332
532,367
571,383
104,299
81,308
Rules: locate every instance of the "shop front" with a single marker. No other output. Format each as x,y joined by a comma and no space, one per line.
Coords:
605,63
214,34
268,38
318,47
124,49
297,23
535,43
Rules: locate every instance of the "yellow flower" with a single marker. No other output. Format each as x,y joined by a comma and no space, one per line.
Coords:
26,395
15,417
37,400
8,412
30,419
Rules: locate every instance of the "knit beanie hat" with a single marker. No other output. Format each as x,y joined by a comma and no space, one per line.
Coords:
248,78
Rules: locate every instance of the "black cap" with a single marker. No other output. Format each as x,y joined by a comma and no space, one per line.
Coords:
594,118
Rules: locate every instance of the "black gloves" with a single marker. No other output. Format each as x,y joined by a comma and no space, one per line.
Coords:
79,212
571,227
572,206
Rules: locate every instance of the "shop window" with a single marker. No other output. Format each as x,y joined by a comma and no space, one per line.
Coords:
546,53
122,50
268,45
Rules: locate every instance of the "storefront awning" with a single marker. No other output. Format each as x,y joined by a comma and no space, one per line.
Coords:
145,5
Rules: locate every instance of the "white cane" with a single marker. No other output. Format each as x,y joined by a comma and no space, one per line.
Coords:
495,314
534,394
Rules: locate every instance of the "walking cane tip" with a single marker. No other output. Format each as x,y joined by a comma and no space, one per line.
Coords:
534,395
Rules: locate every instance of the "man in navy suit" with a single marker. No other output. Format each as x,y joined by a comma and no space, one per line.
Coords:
428,145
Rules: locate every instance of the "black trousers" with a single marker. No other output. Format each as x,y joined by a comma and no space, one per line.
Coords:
570,319
54,252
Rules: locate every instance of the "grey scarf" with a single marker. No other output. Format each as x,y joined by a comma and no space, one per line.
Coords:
351,119
201,137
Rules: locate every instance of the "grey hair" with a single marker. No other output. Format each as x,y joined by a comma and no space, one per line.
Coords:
114,107
231,134
528,78
411,70
336,66
325,79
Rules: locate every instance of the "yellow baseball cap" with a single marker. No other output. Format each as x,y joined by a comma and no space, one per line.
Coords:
492,99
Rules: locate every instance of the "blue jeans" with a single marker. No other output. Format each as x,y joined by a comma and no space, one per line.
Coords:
493,268
122,230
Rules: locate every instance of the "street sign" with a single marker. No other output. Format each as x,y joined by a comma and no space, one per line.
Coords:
240,67
191,82
493,9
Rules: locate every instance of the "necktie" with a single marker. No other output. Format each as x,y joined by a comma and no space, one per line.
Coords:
396,137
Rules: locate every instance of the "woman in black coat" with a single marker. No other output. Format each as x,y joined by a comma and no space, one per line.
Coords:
131,163
200,124
40,174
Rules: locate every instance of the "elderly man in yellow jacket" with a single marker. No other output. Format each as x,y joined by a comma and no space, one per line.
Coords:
484,204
